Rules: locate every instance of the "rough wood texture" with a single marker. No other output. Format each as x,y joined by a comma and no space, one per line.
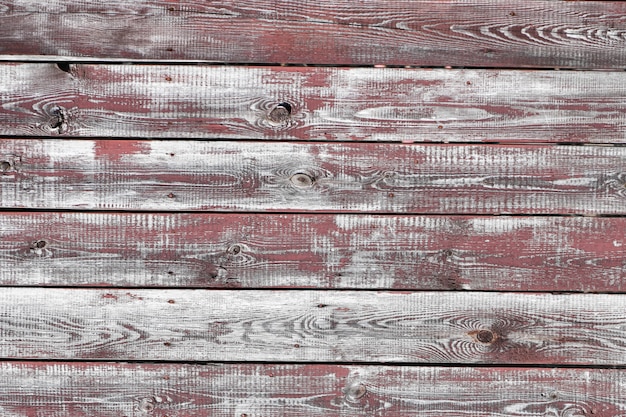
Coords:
313,326
511,33
367,177
368,104
309,251
99,390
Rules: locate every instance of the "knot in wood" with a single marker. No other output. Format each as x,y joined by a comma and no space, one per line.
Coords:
355,391
58,121
40,244
147,405
40,248
280,114
302,180
64,66
5,166
235,249
485,336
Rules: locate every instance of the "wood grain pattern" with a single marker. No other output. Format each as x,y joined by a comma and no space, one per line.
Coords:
313,326
515,33
365,104
313,251
367,177
99,390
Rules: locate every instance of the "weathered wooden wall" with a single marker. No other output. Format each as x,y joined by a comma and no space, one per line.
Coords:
349,208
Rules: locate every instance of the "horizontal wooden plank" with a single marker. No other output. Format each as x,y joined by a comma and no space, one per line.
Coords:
99,390
366,104
313,251
512,33
313,326
364,177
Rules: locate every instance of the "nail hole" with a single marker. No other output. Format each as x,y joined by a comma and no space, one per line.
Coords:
302,180
485,336
168,78
171,301
167,344
64,66
296,345
5,166
321,305
281,113
171,195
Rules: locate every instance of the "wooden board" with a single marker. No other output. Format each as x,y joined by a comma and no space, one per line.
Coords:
367,177
511,33
366,104
313,326
103,389
313,251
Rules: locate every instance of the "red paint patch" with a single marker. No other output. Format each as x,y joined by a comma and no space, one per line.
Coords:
111,296
114,150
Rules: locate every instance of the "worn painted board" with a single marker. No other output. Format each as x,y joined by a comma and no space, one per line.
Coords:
498,33
272,176
366,104
313,326
313,251
173,390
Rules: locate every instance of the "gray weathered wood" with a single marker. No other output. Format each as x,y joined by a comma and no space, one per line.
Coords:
366,177
313,326
104,389
323,251
501,33
369,104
